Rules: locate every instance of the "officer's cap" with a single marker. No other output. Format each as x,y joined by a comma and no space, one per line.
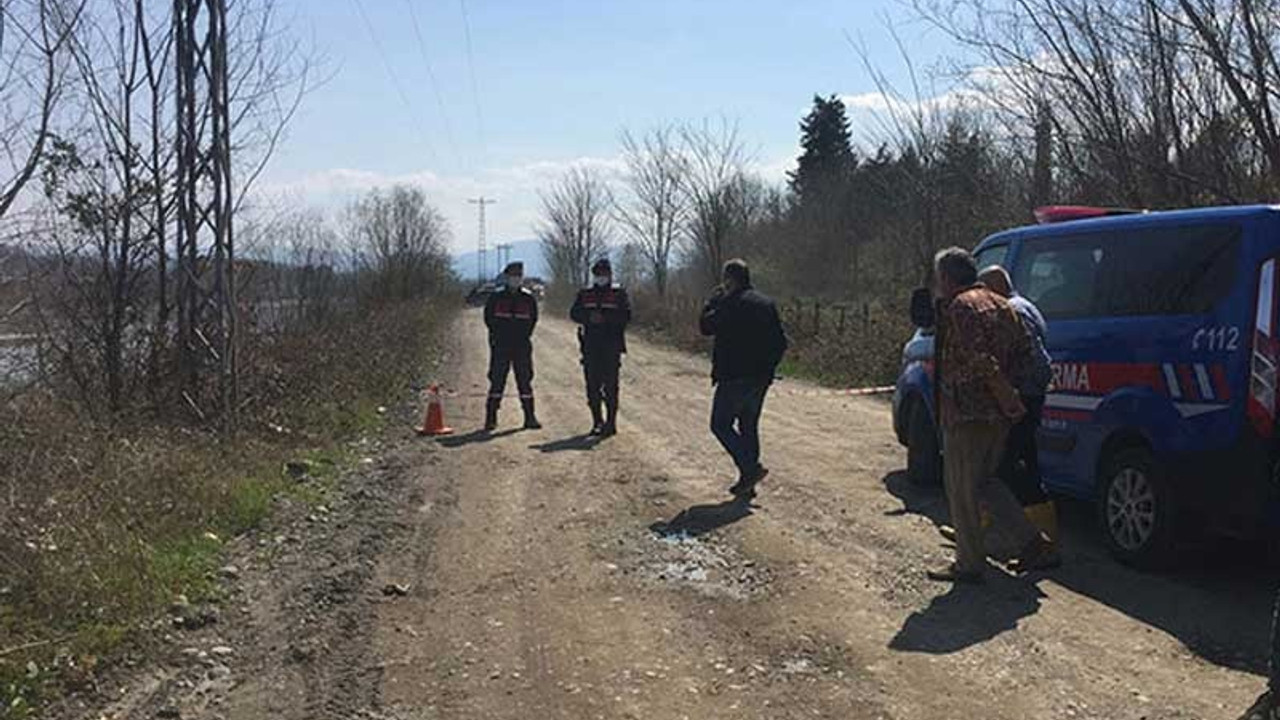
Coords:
602,267
514,268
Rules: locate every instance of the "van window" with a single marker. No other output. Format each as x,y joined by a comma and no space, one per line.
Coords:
1149,271
991,255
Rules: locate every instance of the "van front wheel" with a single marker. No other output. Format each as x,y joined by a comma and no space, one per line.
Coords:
1136,509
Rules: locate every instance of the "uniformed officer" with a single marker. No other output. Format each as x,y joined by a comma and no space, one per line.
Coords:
602,312
511,314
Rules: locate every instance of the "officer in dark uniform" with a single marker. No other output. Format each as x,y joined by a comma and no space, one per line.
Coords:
602,312
511,314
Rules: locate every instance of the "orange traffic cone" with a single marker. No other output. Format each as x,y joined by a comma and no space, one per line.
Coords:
433,423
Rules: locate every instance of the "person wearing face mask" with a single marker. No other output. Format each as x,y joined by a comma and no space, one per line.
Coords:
749,344
602,312
511,315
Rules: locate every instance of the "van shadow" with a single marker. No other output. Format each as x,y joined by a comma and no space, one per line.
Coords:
702,519
1217,602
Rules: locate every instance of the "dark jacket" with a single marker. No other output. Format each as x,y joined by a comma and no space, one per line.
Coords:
609,335
749,342
1039,373
510,316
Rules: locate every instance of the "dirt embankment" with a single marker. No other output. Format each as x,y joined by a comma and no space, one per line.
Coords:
518,576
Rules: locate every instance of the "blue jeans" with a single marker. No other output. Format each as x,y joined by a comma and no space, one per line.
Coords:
739,402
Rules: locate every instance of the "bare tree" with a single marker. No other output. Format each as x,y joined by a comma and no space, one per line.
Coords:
716,190
33,41
576,225
1238,39
654,207
1129,89
632,267
406,242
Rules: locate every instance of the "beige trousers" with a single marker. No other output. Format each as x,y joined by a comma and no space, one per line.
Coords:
971,456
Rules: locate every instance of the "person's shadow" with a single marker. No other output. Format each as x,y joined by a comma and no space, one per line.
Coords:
475,436
968,615
701,519
577,442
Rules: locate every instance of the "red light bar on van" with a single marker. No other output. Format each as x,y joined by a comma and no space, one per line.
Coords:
1064,213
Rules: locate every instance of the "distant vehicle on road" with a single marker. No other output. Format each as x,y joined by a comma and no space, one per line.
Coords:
1164,336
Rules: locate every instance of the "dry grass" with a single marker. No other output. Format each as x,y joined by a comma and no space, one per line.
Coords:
100,527
862,348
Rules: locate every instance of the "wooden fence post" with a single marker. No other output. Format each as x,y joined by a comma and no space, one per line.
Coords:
840,331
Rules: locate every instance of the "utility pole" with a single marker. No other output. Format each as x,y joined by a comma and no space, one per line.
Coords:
481,267
206,283
504,253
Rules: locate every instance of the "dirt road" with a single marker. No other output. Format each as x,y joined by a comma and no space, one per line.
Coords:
532,585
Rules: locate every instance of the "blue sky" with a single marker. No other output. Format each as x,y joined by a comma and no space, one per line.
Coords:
554,84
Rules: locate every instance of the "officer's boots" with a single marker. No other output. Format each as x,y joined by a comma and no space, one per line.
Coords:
491,414
597,417
530,418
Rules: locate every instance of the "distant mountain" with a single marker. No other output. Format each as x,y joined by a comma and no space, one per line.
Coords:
527,251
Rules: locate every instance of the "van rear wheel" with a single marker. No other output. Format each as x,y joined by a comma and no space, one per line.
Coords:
1137,509
924,461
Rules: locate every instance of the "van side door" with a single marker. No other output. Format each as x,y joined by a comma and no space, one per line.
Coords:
1141,335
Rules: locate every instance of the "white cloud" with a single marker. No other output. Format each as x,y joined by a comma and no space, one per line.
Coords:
516,188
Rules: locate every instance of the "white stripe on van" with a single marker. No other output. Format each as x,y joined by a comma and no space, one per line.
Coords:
1190,410
1072,402
1206,388
1266,296
1171,379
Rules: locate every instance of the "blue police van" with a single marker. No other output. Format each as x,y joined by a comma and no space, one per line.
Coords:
1163,333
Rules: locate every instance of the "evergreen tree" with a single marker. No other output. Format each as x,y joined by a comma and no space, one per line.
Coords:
827,158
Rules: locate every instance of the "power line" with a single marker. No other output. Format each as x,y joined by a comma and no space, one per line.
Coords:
481,269
435,85
395,79
471,66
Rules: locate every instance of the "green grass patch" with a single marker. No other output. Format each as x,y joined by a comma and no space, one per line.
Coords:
187,566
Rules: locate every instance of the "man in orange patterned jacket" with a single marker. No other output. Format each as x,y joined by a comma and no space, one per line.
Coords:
983,352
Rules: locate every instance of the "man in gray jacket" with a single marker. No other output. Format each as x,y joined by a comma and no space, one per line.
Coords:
1020,469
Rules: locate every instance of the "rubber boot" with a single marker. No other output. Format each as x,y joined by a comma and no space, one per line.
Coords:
611,424
1045,517
491,414
597,419
530,418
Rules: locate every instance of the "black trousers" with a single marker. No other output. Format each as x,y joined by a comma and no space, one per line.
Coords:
1020,468
735,421
600,371
502,360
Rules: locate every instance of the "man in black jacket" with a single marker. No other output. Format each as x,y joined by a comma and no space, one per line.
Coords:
602,312
749,344
511,314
